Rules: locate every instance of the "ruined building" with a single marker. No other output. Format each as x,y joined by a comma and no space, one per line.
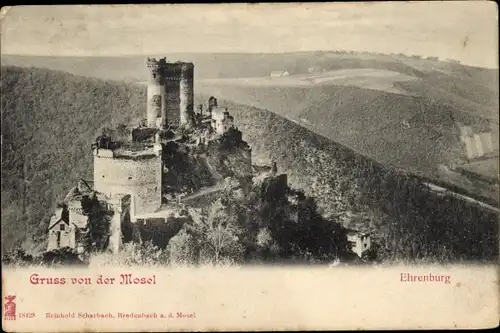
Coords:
144,176
130,169
138,167
170,93
222,121
360,241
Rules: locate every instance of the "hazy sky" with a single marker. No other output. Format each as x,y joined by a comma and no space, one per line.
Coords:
466,31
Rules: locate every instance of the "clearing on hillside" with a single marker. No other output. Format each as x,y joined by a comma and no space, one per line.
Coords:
366,78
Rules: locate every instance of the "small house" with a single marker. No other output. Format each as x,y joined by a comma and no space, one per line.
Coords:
62,233
69,224
279,73
360,241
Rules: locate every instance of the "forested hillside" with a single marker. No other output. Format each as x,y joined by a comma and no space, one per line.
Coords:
418,131
409,221
50,118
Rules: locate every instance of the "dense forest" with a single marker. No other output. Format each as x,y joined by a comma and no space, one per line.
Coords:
409,221
49,119
270,223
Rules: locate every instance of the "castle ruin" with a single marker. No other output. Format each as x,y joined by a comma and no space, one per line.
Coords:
175,155
170,93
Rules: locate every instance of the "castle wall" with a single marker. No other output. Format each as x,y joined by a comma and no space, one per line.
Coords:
162,121
170,96
140,178
186,93
156,92
155,96
115,229
172,79
218,116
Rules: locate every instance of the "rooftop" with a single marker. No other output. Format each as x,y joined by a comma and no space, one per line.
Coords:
129,150
354,232
134,150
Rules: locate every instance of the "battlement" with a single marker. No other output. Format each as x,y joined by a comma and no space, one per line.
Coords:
162,63
103,152
177,67
153,63
129,151
130,169
170,93
134,152
187,65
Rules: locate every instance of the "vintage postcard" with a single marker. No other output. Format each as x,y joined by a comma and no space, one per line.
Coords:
250,167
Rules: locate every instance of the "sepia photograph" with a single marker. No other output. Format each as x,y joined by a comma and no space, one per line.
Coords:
264,138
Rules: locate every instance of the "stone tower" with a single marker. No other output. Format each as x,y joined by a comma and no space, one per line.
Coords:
121,170
156,99
186,93
170,93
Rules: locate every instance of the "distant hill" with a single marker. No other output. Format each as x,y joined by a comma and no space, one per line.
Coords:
237,65
49,119
400,110
406,119
408,220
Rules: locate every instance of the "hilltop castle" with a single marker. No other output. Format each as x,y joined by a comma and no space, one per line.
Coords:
159,175
170,93
173,153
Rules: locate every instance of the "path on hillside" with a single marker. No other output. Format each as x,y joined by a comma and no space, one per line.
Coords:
445,191
209,190
205,191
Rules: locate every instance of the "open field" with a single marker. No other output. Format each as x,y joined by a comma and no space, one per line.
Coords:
366,78
405,121
239,65
486,168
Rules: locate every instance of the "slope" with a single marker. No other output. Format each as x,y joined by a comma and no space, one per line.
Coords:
409,221
237,65
49,118
417,131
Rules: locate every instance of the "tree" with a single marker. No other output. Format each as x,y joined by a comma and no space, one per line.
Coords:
99,220
218,234
16,256
183,249
145,254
